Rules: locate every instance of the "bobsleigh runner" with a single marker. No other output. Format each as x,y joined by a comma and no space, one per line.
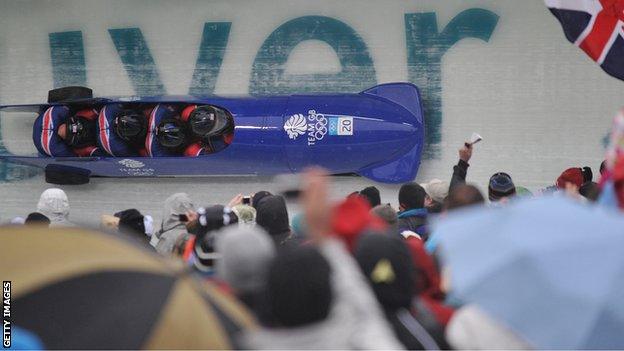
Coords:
377,133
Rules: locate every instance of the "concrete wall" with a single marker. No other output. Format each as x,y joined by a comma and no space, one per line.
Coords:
501,68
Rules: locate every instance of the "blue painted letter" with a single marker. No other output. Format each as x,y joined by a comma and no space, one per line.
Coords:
68,60
138,61
211,51
268,76
425,48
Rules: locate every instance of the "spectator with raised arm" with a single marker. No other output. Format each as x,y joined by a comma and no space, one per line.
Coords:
460,171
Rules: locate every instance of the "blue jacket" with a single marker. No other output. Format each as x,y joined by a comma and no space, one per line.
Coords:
49,143
152,146
414,220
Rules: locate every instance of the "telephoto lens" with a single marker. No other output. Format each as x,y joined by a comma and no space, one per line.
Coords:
212,218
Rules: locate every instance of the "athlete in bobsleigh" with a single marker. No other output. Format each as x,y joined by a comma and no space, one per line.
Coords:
121,131
195,131
210,127
61,132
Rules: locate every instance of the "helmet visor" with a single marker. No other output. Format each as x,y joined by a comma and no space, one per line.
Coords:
130,126
206,121
170,134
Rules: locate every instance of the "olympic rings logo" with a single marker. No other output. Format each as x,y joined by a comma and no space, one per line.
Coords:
320,127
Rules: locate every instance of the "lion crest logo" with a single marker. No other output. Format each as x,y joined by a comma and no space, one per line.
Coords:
295,126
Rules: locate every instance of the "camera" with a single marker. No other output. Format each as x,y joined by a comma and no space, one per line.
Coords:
246,200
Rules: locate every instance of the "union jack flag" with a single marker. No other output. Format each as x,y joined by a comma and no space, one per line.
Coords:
595,26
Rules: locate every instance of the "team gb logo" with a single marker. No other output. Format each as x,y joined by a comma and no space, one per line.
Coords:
131,163
295,126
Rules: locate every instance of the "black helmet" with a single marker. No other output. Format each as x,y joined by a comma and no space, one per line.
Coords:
130,125
171,134
80,131
206,121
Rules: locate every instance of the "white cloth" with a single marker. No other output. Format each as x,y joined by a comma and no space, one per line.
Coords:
148,224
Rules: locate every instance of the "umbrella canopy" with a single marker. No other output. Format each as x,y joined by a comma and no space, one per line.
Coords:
549,268
76,289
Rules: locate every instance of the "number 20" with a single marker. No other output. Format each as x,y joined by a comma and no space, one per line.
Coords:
345,125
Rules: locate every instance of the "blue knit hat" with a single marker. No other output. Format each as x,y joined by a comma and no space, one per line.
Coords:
500,186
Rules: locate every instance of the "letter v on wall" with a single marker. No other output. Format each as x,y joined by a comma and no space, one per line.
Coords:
210,57
68,59
138,61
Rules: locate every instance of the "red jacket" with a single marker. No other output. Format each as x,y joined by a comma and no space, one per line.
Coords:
428,284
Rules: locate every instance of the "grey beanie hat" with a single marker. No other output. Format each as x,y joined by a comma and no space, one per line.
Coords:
389,215
246,253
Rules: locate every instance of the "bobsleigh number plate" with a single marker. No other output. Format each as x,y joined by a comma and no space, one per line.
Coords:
341,126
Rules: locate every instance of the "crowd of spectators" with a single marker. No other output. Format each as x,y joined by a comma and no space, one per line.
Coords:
356,274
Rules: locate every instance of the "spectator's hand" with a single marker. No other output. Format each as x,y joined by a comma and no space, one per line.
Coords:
465,153
236,200
315,204
108,222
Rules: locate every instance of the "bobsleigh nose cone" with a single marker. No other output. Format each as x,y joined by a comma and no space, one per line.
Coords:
398,132
408,129
406,135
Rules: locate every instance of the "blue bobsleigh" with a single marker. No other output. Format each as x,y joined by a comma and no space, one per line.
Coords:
377,133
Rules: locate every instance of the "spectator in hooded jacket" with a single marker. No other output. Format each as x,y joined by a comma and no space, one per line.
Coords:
412,211
172,226
272,215
54,204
